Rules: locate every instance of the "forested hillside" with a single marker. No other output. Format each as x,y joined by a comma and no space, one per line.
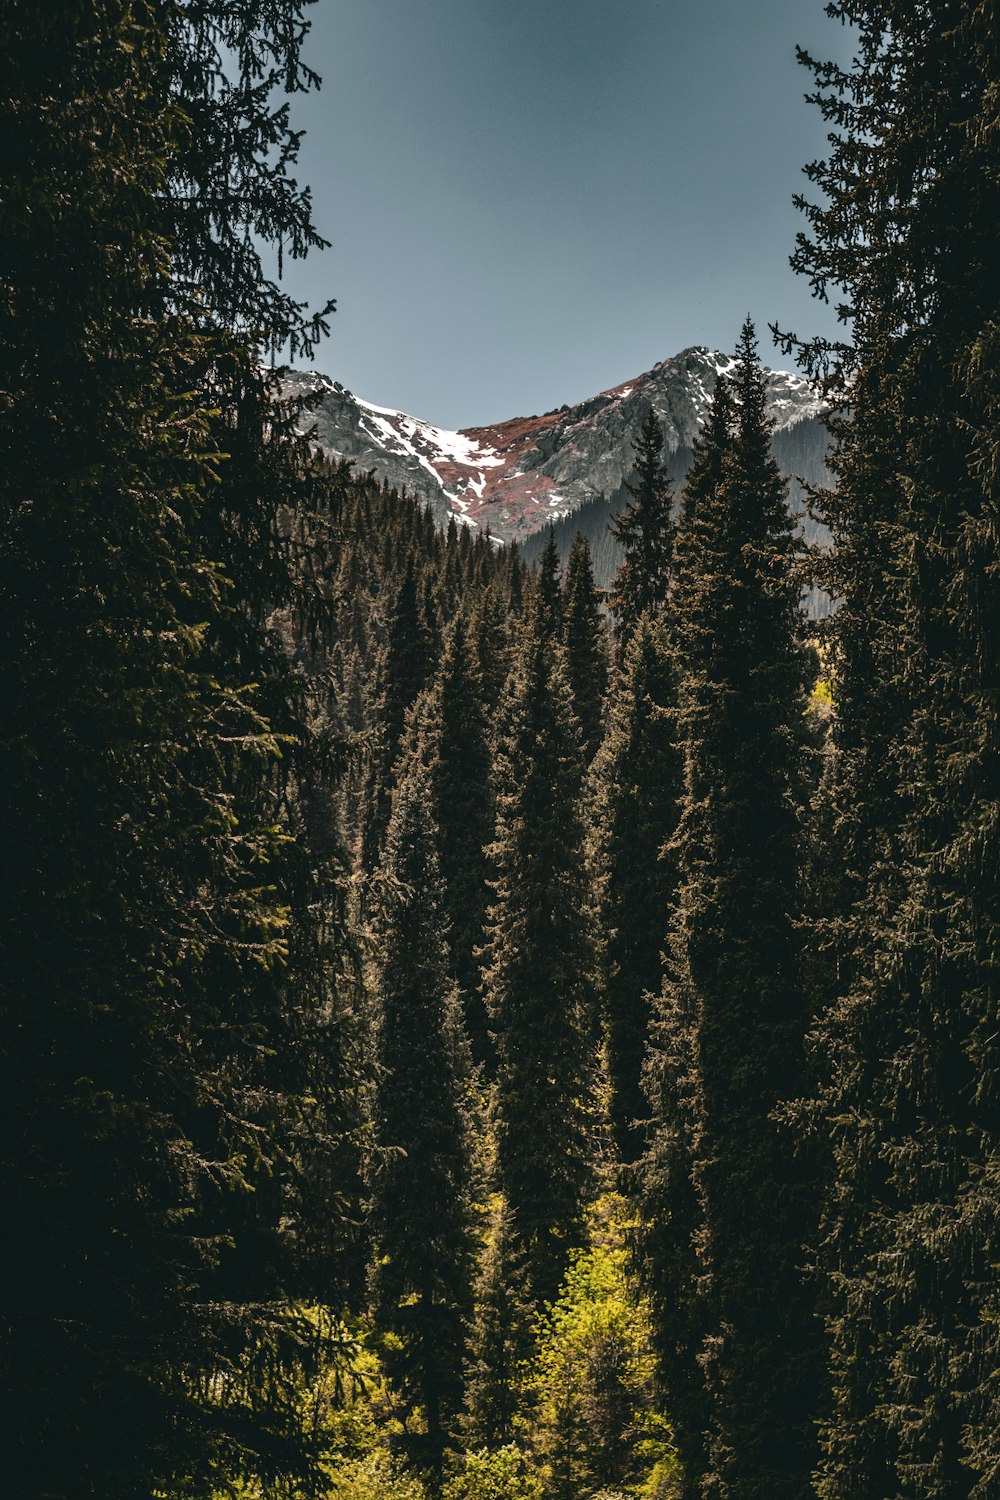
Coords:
466,1032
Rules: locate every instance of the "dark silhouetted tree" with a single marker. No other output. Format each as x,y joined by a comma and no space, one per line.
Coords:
636,784
727,1201
447,737
645,530
422,1208
401,669
538,962
586,645
903,235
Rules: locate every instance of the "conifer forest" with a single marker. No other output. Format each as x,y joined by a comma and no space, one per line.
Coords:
468,1034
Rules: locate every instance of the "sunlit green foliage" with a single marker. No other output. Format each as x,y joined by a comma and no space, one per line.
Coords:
495,1474
593,1424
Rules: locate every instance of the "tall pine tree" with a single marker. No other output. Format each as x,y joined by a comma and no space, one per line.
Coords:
401,669
422,1208
636,790
645,530
904,235
448,737
727,1203
174,1065
538,962
586,645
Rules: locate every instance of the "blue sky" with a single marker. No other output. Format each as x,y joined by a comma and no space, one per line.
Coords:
529,202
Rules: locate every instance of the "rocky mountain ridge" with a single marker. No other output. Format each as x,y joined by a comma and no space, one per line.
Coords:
518,476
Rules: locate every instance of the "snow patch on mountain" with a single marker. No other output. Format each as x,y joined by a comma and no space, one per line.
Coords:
517,476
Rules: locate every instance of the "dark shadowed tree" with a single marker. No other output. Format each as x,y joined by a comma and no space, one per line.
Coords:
726,1199
448,737
903,235
174,1021
501,1341
546,587
645,531
636,789
586,645
422,1198
538,961
401,669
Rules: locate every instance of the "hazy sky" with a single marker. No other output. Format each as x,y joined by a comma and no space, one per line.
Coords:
532,200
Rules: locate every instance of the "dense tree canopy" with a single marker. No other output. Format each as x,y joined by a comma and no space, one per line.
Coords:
903,235
420,1032
422,1199
538,969
645,531
730,1027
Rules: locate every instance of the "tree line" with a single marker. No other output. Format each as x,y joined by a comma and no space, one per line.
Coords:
465,1033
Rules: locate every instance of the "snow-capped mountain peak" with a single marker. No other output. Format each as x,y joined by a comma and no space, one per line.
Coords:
517,475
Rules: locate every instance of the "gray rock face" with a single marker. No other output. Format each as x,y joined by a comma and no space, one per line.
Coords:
344,427
519,476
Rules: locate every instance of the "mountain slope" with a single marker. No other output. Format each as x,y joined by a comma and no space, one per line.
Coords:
566,466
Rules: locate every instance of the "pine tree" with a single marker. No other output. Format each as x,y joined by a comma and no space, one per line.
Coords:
489,632
448,738
401,670
501,1340
636,791
548,594
671,1215
905,237
422,1208
586,649
726,1200
515,580
230,189
175,1101
645,531
538,965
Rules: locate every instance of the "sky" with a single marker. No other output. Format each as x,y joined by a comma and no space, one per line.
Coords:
530,201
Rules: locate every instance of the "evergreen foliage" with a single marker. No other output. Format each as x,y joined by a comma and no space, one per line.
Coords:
422,1213
254,700
635,783
401,669
548,599
586,646
645,532
538,962
489,630
595,1429
727,1207
501,1342
180,1068
231,191
904,236
448,737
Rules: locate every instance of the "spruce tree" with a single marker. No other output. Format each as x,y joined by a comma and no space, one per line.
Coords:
636,789
725,1197
538,963
422,1196
501,1340
448,737
904,236
515,573
645,531
174,1068
545,583
488,628
585,643
401,669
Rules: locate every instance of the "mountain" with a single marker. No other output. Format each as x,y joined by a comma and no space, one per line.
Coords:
566,467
